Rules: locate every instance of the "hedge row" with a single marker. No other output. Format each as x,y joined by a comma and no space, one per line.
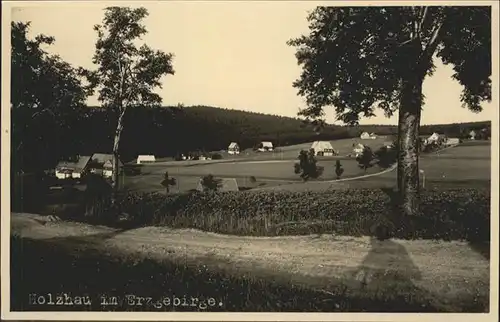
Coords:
460,214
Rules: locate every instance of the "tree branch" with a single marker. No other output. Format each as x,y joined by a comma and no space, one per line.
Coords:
433,42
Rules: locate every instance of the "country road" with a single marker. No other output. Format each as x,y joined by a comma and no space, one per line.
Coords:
450,272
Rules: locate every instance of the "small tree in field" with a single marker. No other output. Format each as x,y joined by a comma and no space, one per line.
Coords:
307,166
366,158
338,169
386,156
168,181
127,74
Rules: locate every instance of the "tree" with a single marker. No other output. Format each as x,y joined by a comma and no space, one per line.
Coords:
386,156
365,159
338,169
360,58
127,74
307,166
168,181
46,98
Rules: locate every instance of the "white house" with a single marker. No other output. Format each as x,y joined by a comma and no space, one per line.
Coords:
145,159
233,148
323,148
265,146
367,136
72,169
358,149
472,135
102,163
433,138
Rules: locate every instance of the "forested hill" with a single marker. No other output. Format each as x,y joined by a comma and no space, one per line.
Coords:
170,130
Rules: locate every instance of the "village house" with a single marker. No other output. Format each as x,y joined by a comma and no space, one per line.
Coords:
265,146
323,148
367,136
146,159
102,164
72,169
233,148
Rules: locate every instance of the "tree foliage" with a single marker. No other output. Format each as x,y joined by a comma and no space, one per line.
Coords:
356,58
307,166
338,169
366,158
46,100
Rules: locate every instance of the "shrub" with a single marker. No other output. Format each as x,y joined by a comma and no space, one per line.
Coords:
386,157
216,156
338,169
210,183
449,215
168,181
307,166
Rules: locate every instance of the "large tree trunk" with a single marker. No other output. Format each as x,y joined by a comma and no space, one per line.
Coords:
409,144
116,157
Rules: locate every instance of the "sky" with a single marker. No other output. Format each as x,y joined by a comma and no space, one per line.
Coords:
231,55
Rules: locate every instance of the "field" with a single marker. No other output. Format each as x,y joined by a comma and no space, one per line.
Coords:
270,169
467,165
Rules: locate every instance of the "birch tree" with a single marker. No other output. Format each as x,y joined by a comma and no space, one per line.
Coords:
127,73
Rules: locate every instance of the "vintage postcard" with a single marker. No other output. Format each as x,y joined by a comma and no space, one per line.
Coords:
250,160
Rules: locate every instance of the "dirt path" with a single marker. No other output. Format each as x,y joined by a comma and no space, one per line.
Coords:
451,270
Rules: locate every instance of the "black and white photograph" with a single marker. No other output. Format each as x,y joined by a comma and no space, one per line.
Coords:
250,157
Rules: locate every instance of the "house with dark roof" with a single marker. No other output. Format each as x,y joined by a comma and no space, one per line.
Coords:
73,169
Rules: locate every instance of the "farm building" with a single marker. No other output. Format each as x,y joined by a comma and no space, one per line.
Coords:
265,146
358,149
145,159
323,148
452,141
472,135
102,163
75,169
367,136
434,138
227,184
233,148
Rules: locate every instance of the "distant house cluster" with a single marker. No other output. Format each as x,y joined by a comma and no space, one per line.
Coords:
368,136
98,163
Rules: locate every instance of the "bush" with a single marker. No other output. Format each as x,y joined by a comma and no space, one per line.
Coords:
460,214
216,156
386,157
210,183
338,169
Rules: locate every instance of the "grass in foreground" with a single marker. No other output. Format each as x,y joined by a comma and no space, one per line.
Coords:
42,268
